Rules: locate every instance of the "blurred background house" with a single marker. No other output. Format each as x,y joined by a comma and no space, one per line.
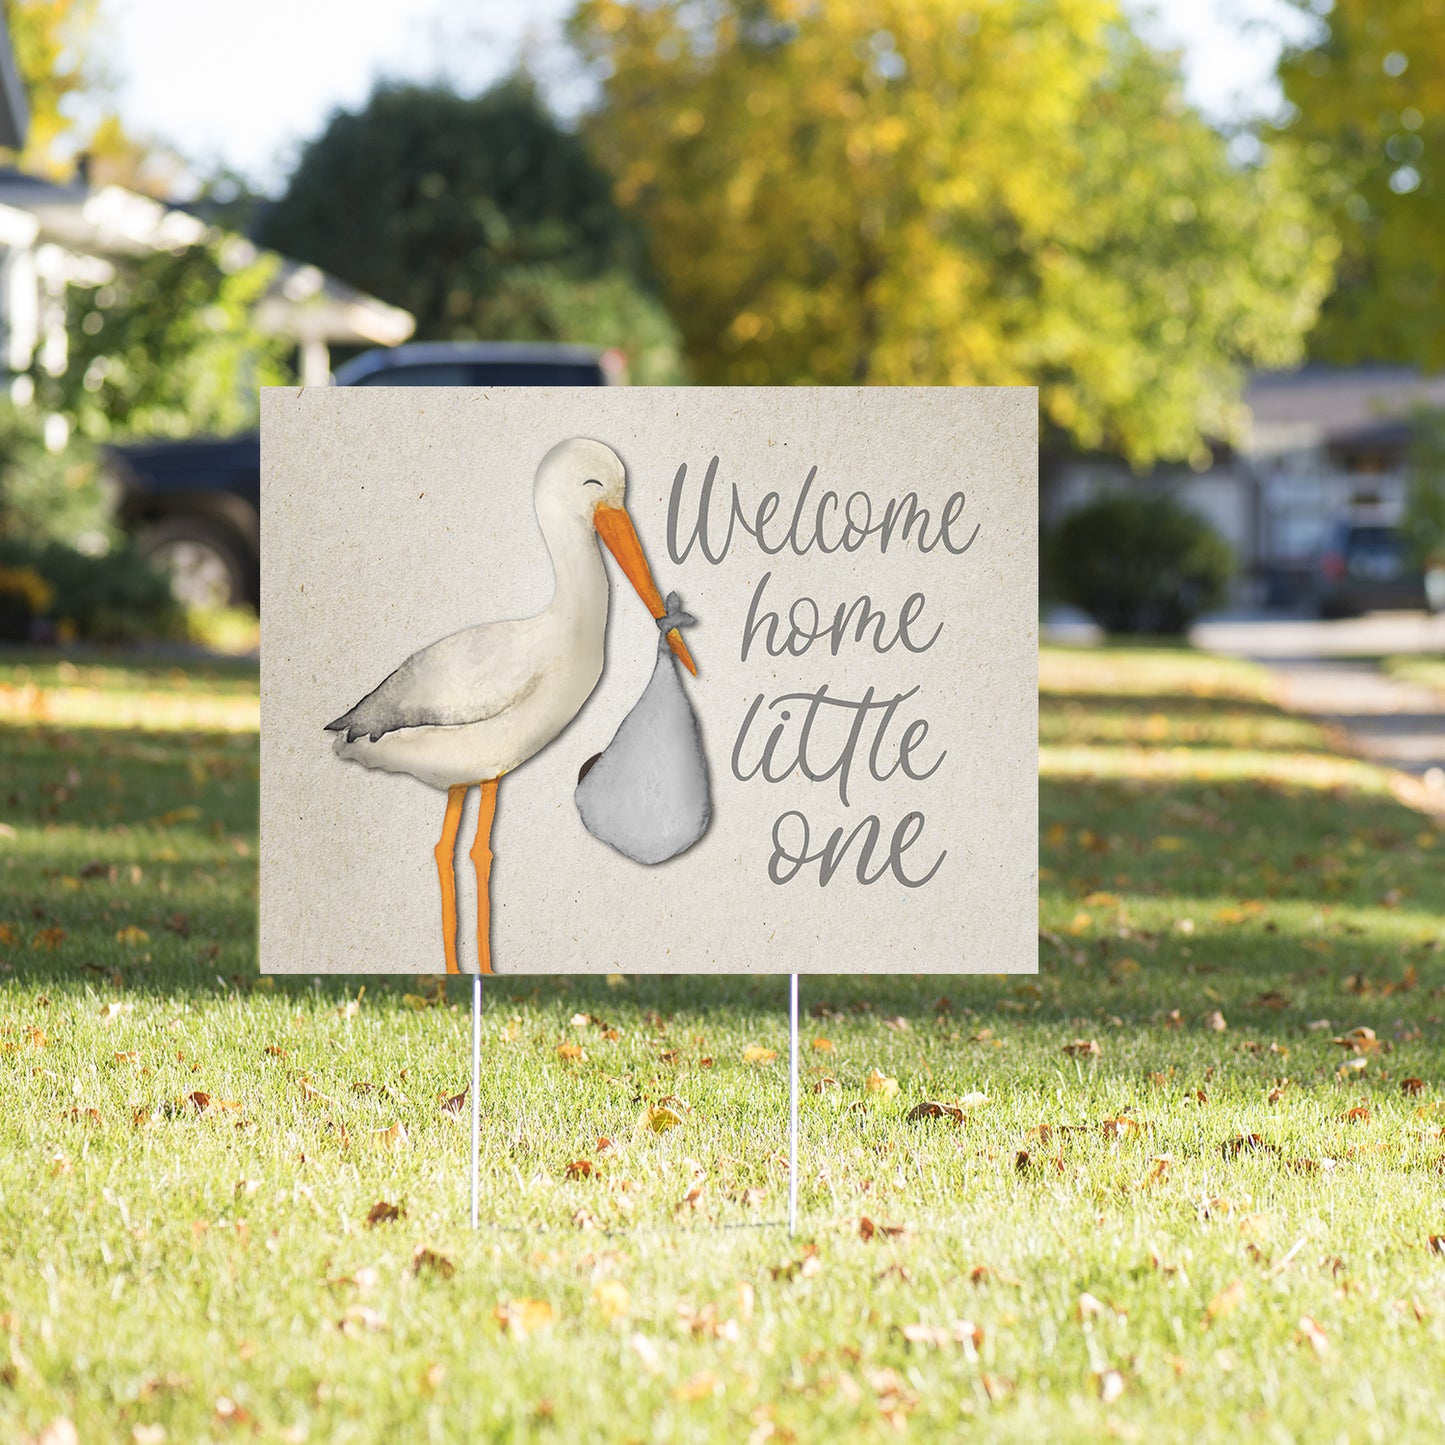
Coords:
1319,444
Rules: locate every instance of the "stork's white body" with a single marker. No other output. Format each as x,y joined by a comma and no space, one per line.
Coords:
482,701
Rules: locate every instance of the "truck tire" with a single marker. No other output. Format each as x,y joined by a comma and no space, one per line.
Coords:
205,563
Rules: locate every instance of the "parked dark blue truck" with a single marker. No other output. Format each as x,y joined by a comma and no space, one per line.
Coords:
193,506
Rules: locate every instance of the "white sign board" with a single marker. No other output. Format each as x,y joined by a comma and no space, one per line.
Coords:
461,593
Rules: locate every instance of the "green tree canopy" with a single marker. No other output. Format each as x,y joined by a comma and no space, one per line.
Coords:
170,346
952,191
1368,106
481,216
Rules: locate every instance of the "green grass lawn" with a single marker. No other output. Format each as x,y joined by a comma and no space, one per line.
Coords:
1430,671
1190,1184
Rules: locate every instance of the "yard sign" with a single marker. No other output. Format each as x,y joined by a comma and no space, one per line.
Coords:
482,737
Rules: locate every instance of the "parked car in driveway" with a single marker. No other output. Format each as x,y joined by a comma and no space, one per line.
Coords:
1366,567
193,506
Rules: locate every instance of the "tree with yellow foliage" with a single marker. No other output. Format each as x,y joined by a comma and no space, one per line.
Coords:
54,53
1367,105
952,192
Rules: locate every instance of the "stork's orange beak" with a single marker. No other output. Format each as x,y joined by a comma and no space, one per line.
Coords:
615,528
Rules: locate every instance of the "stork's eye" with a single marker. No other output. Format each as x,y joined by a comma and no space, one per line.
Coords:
591,482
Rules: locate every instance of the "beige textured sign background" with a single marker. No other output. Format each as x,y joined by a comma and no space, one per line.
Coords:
394,516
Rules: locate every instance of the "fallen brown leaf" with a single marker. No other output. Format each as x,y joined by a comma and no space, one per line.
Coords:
868,1230
393,1138
1083,1048
699,1387
383,1212
1227,1300
424,1258
523,1317
932,1110
612,1298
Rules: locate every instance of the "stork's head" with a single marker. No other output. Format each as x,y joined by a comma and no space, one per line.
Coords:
580,475
586,479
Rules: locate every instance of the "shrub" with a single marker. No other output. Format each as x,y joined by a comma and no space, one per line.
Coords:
50,496
1139,564
52,593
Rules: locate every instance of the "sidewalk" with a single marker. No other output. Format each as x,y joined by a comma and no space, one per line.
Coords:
1399,725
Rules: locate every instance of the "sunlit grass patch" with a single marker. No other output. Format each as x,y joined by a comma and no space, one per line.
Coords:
1150,671
1428,671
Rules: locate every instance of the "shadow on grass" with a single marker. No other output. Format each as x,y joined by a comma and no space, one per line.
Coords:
1173,704
1330,885
191,665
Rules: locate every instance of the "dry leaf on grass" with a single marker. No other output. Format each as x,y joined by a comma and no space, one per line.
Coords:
878,1082
1111,1386
58,1432
612,1299
1245,1144
1312,1335
523,1317
659,1119
702,1385
1214,1021
428,1260
1359,1040
1083,1048
868,1230
804,1267
1225,1302
1121,1126
962,1332
1412,1087
359,1317
455,1103
383,1212
930,1109
756,1054
572,1053
313,1093
393,1138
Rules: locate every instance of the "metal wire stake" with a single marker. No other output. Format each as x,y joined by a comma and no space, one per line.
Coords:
793,1105
476,1086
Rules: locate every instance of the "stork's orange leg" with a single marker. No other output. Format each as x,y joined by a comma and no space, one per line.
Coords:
482,858
446,856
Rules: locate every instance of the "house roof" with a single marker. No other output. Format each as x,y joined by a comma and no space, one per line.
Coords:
109,223
1326,405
